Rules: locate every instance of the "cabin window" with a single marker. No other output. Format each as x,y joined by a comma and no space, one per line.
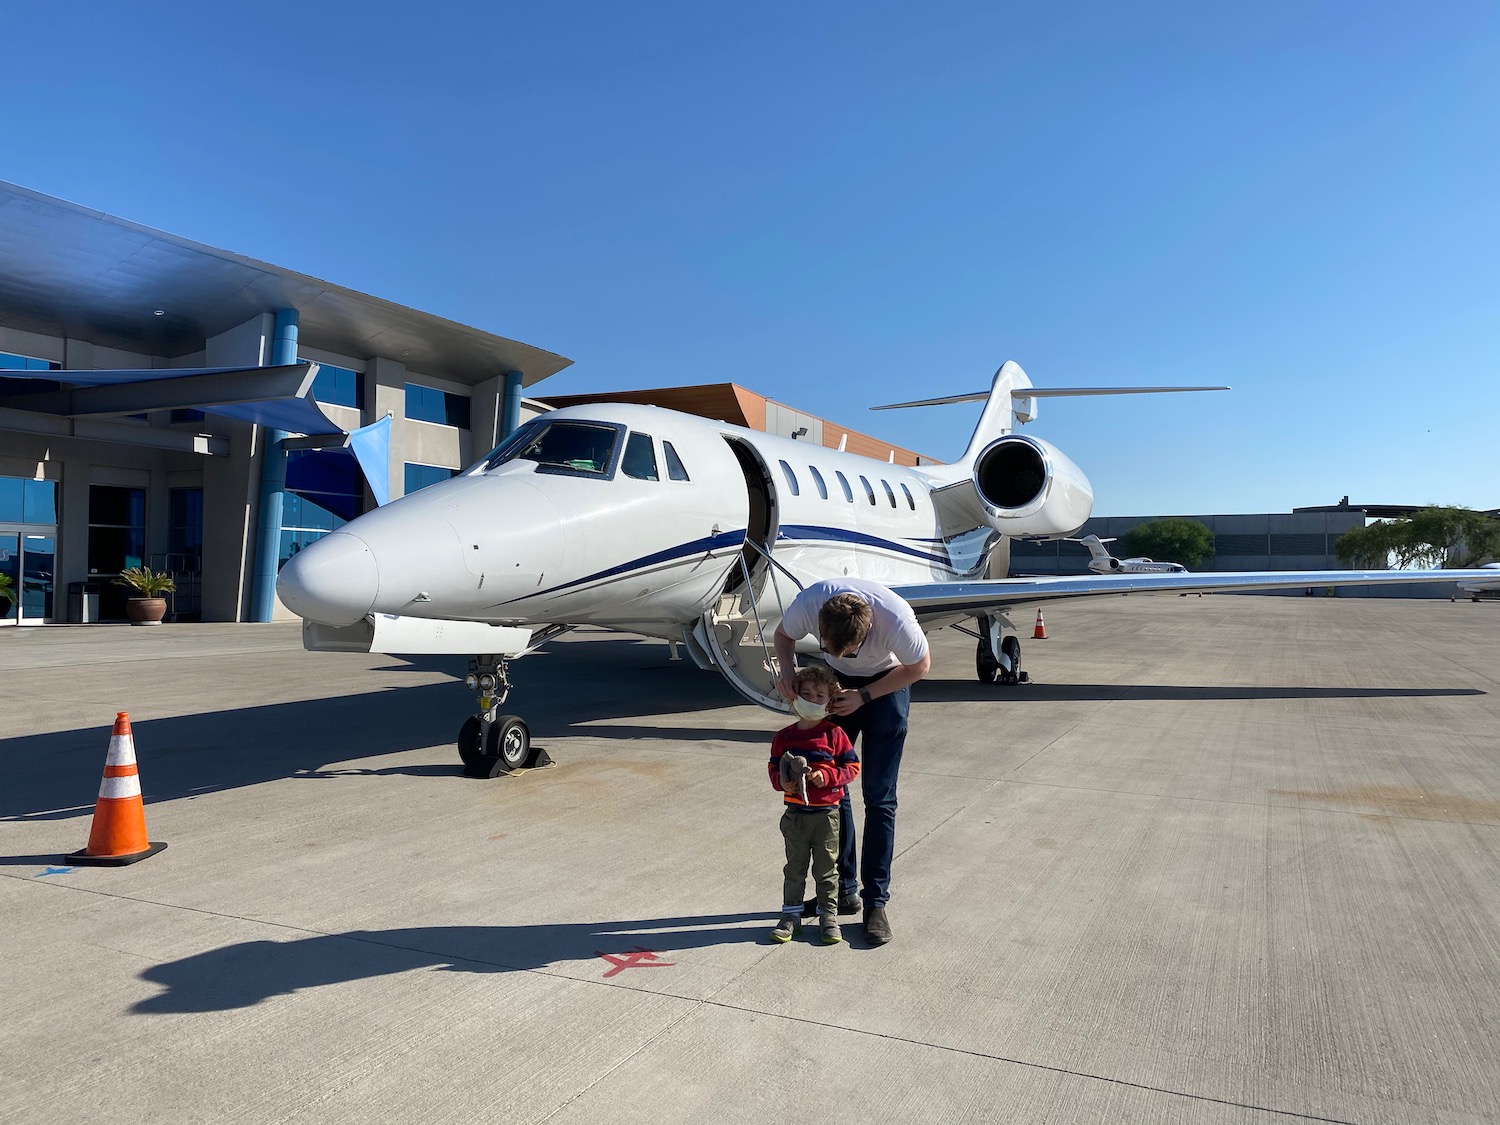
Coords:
844,484
869,488
791,479
891,496
640,458
676,470
818,480
910,501
565,447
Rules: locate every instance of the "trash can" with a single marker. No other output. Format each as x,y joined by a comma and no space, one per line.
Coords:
83,602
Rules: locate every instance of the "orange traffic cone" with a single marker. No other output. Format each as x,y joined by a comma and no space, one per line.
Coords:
118,836
1040,632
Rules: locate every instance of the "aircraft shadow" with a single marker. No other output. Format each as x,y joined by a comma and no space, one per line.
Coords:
958,691
560,693
239,976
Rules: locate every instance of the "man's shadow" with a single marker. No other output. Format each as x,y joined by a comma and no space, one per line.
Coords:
239,976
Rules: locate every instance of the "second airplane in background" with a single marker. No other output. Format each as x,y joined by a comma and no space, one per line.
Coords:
1102,562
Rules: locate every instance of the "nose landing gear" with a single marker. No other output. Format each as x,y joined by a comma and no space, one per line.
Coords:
1003,667
490,743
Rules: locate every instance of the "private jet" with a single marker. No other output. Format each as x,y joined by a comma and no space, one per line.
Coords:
1484,585
1102,562
672,526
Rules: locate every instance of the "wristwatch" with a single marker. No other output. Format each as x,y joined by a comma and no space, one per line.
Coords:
864,695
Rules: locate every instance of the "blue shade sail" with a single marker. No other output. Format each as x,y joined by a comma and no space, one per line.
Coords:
371,447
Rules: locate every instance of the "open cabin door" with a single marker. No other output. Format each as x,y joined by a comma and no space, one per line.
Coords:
735,636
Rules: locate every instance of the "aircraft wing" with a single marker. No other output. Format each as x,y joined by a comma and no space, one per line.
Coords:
934,601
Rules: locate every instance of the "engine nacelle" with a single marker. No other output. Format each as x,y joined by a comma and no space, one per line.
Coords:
1029,487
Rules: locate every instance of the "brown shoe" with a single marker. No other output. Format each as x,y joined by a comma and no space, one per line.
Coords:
877,925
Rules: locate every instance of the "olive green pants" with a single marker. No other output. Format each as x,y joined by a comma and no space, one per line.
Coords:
811,837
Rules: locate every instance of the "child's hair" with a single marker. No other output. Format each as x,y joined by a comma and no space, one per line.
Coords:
817,674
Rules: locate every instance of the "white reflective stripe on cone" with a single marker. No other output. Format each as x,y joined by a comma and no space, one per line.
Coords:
114,787
121,750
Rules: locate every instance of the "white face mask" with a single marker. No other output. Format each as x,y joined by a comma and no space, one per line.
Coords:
808,710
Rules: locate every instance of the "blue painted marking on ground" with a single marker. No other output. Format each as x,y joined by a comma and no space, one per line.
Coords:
54,871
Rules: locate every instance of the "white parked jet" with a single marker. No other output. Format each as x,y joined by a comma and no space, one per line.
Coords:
669,525
1102,562
1474,589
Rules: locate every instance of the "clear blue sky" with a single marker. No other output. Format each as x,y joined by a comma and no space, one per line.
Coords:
840,205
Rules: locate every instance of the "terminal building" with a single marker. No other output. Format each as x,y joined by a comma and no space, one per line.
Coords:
111,459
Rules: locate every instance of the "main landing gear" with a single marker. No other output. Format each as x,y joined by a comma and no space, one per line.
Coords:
1003,667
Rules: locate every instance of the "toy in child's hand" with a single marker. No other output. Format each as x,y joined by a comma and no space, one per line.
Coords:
794,775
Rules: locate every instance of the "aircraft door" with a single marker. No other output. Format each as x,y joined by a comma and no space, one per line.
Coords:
735,635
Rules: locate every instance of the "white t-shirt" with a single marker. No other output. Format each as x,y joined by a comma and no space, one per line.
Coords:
895,637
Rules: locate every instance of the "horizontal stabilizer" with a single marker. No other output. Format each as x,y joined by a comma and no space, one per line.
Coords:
1048,392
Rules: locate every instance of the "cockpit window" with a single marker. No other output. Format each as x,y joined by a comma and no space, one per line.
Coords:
640,458
676,470
566,446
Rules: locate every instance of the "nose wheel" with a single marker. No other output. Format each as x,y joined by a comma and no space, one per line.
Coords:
1002,669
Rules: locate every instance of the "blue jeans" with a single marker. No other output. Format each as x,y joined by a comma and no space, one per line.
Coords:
880,728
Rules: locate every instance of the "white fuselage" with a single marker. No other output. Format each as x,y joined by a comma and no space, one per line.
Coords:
526,543
1483,586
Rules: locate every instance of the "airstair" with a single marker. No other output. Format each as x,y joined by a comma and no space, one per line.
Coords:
734,638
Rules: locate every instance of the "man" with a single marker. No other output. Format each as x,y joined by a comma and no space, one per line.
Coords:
870,637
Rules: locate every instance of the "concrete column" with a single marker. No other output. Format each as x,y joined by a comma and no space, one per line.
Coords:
485,414
385,392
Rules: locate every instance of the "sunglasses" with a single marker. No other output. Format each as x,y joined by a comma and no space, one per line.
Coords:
839,655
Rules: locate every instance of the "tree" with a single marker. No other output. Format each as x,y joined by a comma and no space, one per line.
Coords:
1429,539
1171,540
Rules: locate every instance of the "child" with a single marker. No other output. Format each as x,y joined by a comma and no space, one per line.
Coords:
819,763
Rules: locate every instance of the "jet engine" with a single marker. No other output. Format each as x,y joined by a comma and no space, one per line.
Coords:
1029,487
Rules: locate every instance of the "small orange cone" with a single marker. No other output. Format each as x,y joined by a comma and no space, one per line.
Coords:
1040,632
118,835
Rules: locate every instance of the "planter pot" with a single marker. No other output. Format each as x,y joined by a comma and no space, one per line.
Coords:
146,611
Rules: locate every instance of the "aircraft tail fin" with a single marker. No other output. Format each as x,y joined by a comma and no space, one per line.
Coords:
1095,545
1012,400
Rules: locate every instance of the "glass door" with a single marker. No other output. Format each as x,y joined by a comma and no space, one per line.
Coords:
28,559
10,566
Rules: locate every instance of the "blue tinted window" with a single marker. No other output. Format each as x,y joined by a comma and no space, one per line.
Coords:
40,503
11,362
564,446
339,386
420,476
428,404
185,529
12,499
818,480
186,415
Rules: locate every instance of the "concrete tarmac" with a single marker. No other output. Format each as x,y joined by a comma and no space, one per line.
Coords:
1229,860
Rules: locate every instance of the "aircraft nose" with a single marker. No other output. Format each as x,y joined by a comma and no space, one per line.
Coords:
333,581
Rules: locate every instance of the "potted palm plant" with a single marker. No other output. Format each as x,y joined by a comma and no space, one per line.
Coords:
7,592
148,606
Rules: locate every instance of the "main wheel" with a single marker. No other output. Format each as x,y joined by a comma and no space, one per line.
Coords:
1010,647
985,664
508,744
511,739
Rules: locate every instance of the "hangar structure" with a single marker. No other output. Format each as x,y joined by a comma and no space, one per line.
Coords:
100,470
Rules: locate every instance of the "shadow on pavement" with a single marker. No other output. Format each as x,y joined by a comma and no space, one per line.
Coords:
238,976
956,691
559,692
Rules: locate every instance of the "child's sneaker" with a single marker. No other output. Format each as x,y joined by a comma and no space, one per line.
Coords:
786,928
829,926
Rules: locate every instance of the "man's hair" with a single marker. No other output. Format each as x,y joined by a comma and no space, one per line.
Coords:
843,623
817,674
